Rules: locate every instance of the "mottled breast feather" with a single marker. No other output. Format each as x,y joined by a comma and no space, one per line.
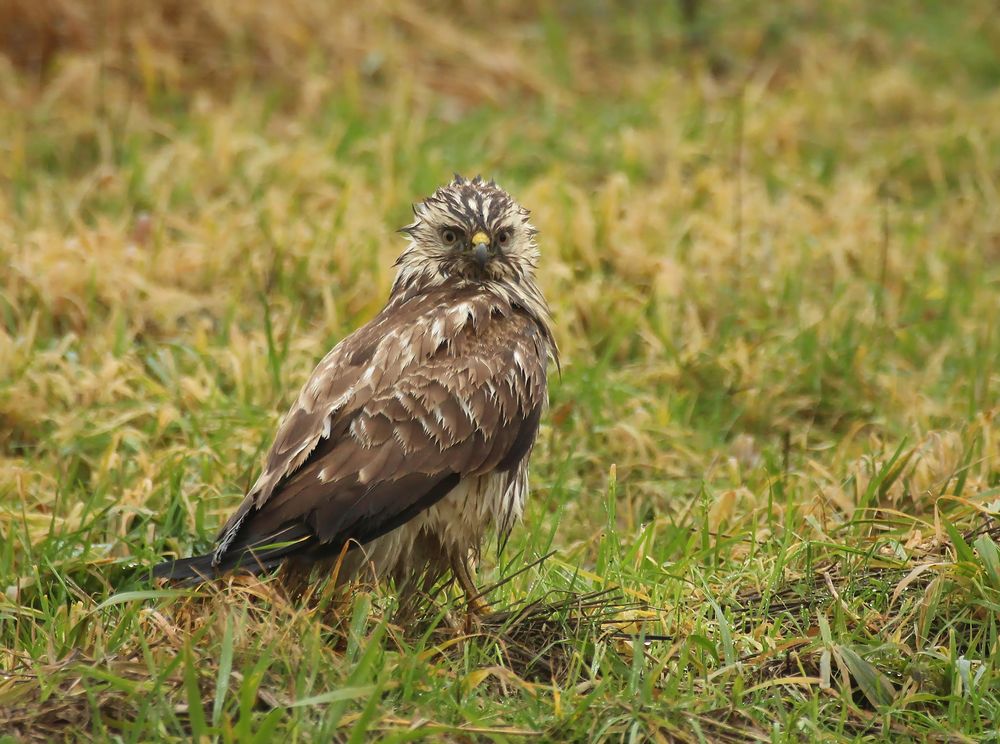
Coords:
441,385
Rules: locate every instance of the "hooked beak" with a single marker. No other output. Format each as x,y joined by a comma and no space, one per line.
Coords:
481,248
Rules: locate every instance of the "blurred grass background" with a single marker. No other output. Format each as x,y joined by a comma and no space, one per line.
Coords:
771,240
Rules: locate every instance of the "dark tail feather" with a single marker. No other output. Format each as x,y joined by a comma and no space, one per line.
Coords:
261,556
196,568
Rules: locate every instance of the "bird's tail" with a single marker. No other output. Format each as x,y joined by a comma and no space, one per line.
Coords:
258,557
195,568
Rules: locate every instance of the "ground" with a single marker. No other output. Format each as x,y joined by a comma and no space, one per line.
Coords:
764,499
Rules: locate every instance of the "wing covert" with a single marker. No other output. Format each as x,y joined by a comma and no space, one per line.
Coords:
454,389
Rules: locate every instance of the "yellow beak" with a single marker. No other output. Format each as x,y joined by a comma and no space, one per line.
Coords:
480,238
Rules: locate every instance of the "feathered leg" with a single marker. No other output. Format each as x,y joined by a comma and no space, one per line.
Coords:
464,575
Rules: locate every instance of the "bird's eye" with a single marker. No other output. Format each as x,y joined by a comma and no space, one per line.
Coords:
503,237
449,235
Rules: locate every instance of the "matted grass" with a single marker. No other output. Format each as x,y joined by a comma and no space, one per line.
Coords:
769,480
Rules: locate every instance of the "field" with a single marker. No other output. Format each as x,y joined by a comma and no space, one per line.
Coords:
766,495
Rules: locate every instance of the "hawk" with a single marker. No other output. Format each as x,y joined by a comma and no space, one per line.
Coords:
411,438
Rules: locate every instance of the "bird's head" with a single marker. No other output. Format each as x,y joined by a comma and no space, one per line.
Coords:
472,230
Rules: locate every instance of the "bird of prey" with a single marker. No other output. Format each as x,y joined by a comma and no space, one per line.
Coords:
411,438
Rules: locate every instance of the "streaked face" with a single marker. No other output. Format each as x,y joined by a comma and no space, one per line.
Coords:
474,230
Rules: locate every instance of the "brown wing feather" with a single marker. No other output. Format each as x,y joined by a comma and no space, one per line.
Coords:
442,386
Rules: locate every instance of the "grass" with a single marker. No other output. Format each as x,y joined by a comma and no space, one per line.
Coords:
769,479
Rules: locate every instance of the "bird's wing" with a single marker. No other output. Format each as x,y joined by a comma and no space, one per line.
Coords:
435,389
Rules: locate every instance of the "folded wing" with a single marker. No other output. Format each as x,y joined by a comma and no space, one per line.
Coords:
434,390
